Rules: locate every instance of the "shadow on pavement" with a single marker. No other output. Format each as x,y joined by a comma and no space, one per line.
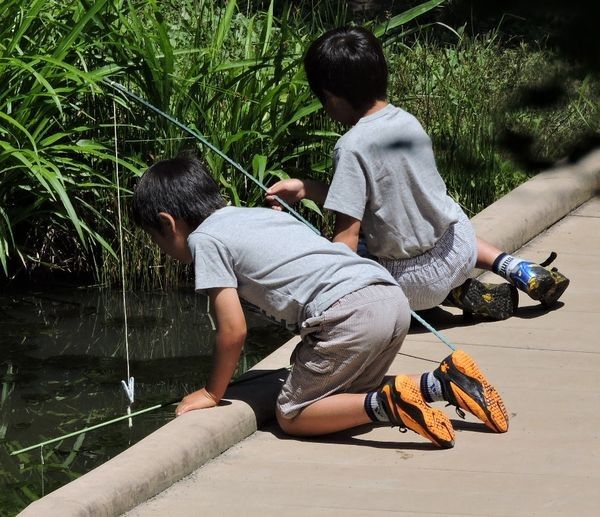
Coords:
441,319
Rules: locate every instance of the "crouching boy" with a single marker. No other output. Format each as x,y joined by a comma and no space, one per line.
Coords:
351,314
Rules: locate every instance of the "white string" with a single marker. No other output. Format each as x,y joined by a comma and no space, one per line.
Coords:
208,312
129,385
42,465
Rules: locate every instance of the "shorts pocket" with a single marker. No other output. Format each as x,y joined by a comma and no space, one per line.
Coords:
313,359
311,325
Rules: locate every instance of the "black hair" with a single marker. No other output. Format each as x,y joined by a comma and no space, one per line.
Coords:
349,63
179,186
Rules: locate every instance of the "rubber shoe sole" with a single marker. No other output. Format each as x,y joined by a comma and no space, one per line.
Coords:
406,407
532,279
465,386
551,296
494,301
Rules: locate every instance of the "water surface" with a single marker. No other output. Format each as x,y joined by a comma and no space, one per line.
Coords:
62,358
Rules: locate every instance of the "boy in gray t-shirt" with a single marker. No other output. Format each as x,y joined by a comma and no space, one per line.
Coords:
387,187
351,314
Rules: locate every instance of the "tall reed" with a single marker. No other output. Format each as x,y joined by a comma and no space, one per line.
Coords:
50,176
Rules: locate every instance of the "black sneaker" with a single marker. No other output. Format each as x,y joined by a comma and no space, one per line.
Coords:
406,407
494,301
465,386
561,282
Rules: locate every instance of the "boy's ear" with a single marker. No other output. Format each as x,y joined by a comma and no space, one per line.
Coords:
167,223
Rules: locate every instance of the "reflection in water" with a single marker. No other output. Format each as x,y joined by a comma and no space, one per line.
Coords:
61,362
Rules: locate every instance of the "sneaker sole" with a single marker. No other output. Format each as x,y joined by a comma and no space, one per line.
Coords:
539,285
466,377
495,301
410,409
551,296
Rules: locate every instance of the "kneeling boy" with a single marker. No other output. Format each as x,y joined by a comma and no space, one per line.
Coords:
351,314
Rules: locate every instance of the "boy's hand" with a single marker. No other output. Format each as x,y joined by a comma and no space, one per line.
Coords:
294,190
291,191
200,399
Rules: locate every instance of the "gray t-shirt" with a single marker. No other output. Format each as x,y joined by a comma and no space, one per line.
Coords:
385,176
277,263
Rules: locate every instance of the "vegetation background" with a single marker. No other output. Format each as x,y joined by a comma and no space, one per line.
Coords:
504,91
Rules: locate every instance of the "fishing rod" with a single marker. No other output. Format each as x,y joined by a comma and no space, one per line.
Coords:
94,427
120,88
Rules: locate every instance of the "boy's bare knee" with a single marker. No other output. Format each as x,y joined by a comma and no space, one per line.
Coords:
286,424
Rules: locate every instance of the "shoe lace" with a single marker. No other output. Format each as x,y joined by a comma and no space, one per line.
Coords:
549,260
459,411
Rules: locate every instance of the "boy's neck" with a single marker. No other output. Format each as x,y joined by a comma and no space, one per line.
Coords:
379,105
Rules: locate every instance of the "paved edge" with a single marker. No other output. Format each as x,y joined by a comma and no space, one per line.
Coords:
537,204
186,443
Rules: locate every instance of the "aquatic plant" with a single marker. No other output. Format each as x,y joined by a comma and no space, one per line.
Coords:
50,182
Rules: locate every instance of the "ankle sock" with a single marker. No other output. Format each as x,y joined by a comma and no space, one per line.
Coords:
374,407
431,388
505,264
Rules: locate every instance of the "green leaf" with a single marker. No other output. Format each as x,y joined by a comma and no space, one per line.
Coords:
268,27
393,23
259,164
224,25
311,205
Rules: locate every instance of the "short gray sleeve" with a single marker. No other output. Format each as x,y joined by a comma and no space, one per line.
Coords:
213,263
348,191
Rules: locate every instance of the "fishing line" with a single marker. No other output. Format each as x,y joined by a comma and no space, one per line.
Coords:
129,385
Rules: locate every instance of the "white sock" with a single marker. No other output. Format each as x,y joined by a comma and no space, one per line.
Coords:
374,408
506,264
431,388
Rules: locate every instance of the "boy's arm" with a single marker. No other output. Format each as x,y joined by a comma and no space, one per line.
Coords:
231,334
346,230
293,190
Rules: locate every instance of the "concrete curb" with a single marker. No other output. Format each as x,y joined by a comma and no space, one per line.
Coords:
538,203
186,443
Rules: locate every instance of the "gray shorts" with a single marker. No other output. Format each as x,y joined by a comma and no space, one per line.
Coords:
428,278
346,349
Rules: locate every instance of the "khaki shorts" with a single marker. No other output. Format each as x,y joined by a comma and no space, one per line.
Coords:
346,349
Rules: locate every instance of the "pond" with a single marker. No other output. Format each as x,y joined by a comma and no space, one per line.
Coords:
62,359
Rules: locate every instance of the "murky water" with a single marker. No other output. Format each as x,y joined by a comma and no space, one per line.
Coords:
62,358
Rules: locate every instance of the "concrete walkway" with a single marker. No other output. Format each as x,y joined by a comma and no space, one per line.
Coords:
546,365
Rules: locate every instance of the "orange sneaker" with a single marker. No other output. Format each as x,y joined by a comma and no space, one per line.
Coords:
406,407
465,386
